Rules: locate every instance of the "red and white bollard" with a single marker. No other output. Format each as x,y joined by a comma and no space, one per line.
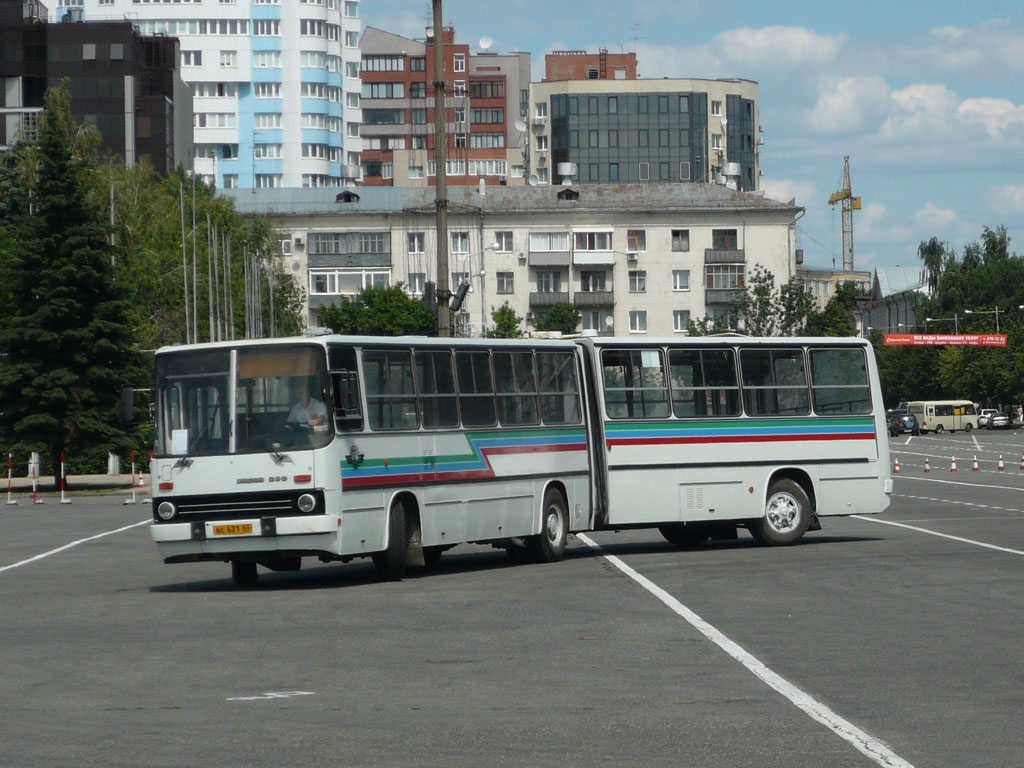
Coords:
1000,467
10,474
927,465
974,467
896,465
952,467
132,499
63,481
35,497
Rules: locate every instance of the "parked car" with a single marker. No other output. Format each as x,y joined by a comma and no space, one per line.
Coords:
903,422
999,420
984,415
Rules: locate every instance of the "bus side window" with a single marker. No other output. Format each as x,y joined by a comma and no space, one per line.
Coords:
345,383
476,388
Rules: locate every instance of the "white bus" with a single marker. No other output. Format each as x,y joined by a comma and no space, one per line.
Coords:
340,447
939,416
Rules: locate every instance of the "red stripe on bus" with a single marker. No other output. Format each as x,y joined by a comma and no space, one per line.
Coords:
737,439
419,477
555,448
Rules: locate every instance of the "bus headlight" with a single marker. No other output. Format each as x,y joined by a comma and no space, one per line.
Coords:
166,510
307,502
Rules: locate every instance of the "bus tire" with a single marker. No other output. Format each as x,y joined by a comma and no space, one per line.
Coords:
969,427
390,563
939,429
685,535
787,513
243,573
549,544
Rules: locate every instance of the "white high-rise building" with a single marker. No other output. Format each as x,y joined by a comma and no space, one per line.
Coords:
275,84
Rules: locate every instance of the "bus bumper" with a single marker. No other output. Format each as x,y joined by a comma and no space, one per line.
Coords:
213,538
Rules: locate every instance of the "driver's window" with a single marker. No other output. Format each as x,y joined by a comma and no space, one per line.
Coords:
345,381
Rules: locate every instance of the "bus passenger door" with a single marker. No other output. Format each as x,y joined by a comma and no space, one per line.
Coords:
597,457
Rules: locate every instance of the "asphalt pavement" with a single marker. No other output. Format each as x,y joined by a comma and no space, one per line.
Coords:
887,640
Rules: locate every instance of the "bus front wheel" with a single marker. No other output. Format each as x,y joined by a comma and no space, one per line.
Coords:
939,429
549,544
243,572
787,514
390,563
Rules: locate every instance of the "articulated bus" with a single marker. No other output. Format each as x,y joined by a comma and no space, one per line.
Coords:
339,447
939,416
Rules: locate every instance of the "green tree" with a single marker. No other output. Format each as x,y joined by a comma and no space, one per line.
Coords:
837,317
770,311
706,327
561,317
506,323
380,312
64,327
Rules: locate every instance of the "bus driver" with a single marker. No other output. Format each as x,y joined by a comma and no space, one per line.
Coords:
307,410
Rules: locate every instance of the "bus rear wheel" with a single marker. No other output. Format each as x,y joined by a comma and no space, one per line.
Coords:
787,513
390,563
549,544
243,573
686,535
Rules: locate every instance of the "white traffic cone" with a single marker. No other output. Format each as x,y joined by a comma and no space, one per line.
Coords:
952,467
974,467
1000,467
927,465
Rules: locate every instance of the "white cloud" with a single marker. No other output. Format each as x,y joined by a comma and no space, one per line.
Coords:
920,110
994,115
850,104
873,224
785,190
776,47
1007,199
933,217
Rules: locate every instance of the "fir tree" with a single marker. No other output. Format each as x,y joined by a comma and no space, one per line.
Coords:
64,327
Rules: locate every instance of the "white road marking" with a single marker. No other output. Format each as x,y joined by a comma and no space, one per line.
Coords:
941,535
271,695
72,544
865,743
976,443
954,482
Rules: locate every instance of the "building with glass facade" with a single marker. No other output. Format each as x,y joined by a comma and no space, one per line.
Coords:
644,131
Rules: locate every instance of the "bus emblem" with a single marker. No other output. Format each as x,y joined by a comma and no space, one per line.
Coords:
355,458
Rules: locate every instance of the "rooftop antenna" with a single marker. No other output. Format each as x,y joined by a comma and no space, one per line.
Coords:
485,43
635,29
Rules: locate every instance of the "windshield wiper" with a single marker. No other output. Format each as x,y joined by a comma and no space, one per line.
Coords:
272,446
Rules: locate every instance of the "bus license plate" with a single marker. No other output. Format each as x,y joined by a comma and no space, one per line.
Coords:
232,530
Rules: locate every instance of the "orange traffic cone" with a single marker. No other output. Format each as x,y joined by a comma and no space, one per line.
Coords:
1022,462
896,466
952,467
927,465
1000,467
974,467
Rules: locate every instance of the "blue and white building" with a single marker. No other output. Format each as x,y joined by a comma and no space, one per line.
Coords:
275,84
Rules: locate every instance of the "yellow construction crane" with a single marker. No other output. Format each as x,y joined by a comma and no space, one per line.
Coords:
850,204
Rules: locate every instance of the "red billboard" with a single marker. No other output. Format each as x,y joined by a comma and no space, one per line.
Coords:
945,340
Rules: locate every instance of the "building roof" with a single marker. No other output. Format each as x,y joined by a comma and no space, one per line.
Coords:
376,40
501,199
892,280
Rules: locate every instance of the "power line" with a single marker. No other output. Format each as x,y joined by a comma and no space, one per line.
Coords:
809,237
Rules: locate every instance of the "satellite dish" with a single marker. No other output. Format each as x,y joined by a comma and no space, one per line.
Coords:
520,124
609,322
485,43
534,180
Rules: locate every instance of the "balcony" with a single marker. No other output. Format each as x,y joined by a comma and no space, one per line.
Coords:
548,298
722,295
349,260
550,258
593,258
594,299
724,256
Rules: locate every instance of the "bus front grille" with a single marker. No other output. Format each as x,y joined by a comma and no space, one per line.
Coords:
227,506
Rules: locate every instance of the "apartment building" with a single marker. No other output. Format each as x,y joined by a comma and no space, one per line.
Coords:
485,96
636,131
632,258
581,65
275,84
125,85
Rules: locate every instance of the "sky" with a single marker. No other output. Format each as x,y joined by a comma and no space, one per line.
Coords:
927,98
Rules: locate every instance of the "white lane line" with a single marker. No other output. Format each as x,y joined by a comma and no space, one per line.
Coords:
951,501
954,482
941,535
977,445
865,743
72,544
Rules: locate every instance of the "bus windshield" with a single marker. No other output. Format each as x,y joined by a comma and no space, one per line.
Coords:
279,401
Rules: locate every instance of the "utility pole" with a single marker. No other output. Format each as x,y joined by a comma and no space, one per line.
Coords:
444,294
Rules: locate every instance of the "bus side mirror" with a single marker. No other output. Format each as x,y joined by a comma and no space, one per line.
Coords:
126,407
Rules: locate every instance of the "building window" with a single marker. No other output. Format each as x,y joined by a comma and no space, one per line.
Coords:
613,171
265,59
613,138
266,151
592,241
680,279
542,108
592,281
460,141
542,175
680,240
191,58
680,320
351,9
723,239
459,62
503,240
724,276
229,58
383,63
542,143
613,105
416,242
637,281
88,51
716,109
266,120
268,180
493,140
416,116
684,171
416,282
417,90
460,88
351,69
415,171
593,73
418,65
505,282
645,171
549,282
266,28
549,241
265,90
460,242
351,39
716,141
231,182
518,171
636,240
638,321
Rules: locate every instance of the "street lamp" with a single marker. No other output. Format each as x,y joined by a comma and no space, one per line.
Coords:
955,318
989,312
467,287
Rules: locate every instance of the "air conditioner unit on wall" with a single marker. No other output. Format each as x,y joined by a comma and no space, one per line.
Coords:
297,241
632,256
